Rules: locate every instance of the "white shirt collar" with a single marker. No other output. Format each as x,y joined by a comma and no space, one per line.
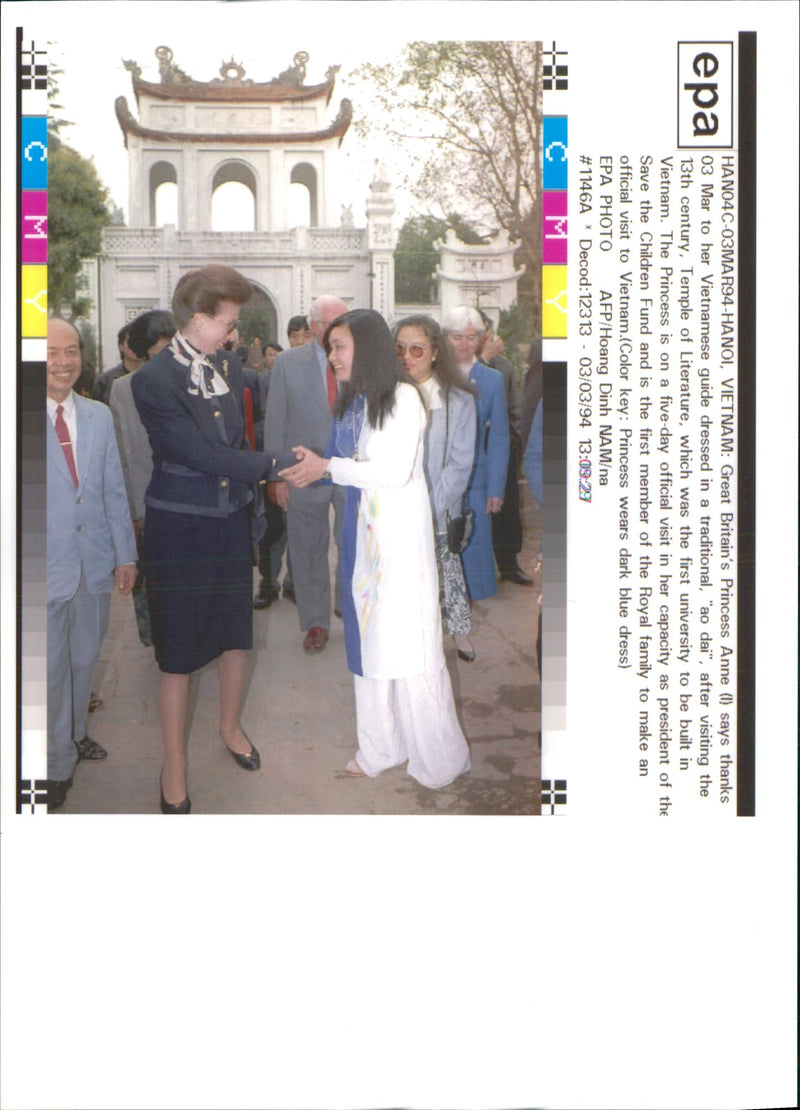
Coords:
69,406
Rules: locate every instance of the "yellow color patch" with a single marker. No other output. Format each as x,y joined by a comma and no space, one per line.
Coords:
554,302
34,302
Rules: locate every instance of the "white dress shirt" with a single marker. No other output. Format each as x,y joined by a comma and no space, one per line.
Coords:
69,419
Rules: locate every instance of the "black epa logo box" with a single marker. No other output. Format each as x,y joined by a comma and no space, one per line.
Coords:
705,94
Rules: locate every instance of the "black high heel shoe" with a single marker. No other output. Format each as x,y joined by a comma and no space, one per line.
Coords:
182,807
250,762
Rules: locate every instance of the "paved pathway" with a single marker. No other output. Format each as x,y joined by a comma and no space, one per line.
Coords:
300,714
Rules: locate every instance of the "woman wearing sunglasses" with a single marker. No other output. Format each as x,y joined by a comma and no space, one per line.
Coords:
393,632
449,456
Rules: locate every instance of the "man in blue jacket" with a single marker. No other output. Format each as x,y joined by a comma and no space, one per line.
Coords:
89,536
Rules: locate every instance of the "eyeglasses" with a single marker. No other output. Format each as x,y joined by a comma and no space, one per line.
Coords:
228,327
416,350
468,337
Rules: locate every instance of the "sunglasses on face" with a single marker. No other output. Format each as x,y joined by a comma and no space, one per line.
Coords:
416,350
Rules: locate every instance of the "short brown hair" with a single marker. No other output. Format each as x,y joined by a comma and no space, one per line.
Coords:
203,290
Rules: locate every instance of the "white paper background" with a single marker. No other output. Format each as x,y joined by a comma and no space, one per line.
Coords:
471,962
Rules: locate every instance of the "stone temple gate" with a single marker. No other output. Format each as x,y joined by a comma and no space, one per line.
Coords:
197,136
192,138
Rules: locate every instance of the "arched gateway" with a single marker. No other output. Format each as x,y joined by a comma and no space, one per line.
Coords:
267,140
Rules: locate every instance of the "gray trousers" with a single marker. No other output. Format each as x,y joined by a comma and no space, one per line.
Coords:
308,526
75,631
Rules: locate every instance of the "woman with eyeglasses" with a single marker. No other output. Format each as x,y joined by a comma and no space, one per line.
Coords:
393,634
449,456
462,328
197,548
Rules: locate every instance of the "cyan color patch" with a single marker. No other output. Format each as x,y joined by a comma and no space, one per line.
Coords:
554,152
33,152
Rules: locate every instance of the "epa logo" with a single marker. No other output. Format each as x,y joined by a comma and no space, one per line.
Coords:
705,94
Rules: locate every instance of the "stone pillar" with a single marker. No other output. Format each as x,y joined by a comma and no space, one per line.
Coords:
381,241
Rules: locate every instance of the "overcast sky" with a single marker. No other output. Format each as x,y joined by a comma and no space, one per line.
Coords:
88,40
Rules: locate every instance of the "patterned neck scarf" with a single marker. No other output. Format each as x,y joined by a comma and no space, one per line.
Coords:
203,375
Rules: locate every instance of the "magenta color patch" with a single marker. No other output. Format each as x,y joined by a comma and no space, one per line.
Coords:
34,226
554,227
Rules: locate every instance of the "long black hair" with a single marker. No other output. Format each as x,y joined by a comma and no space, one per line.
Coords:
443,366
376,368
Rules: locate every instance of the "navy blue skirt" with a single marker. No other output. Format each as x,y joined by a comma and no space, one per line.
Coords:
199,575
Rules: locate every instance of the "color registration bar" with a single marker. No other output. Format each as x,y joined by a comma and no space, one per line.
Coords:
31,350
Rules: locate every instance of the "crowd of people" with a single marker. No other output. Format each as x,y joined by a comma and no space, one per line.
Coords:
206,457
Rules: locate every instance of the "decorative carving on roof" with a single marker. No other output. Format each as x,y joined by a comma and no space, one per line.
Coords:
232,84
295,74
232,73
170,74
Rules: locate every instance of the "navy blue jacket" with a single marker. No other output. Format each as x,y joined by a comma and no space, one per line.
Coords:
196,468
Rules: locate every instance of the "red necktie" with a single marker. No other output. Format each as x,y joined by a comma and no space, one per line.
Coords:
333,390
62,431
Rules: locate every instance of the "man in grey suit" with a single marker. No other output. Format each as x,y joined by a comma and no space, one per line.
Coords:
299,412
89,534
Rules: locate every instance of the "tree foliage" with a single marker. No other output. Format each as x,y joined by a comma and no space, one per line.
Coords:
254,322
473,112
77,212
54,122
416,258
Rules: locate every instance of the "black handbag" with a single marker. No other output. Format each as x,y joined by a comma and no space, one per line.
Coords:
461,527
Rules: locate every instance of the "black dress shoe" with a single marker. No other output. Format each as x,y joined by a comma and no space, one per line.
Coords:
263,598
182,807
57,793
518,576
250,762
467,656
90,749
288,592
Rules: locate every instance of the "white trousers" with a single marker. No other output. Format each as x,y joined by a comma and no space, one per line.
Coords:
410,719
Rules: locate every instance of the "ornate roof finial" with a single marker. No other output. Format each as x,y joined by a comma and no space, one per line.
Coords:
295,74
380,178
170,74
232,72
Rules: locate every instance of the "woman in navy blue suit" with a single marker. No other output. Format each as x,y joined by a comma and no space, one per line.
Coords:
197,538
463,327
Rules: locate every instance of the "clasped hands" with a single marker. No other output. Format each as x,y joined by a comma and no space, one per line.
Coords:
309,468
